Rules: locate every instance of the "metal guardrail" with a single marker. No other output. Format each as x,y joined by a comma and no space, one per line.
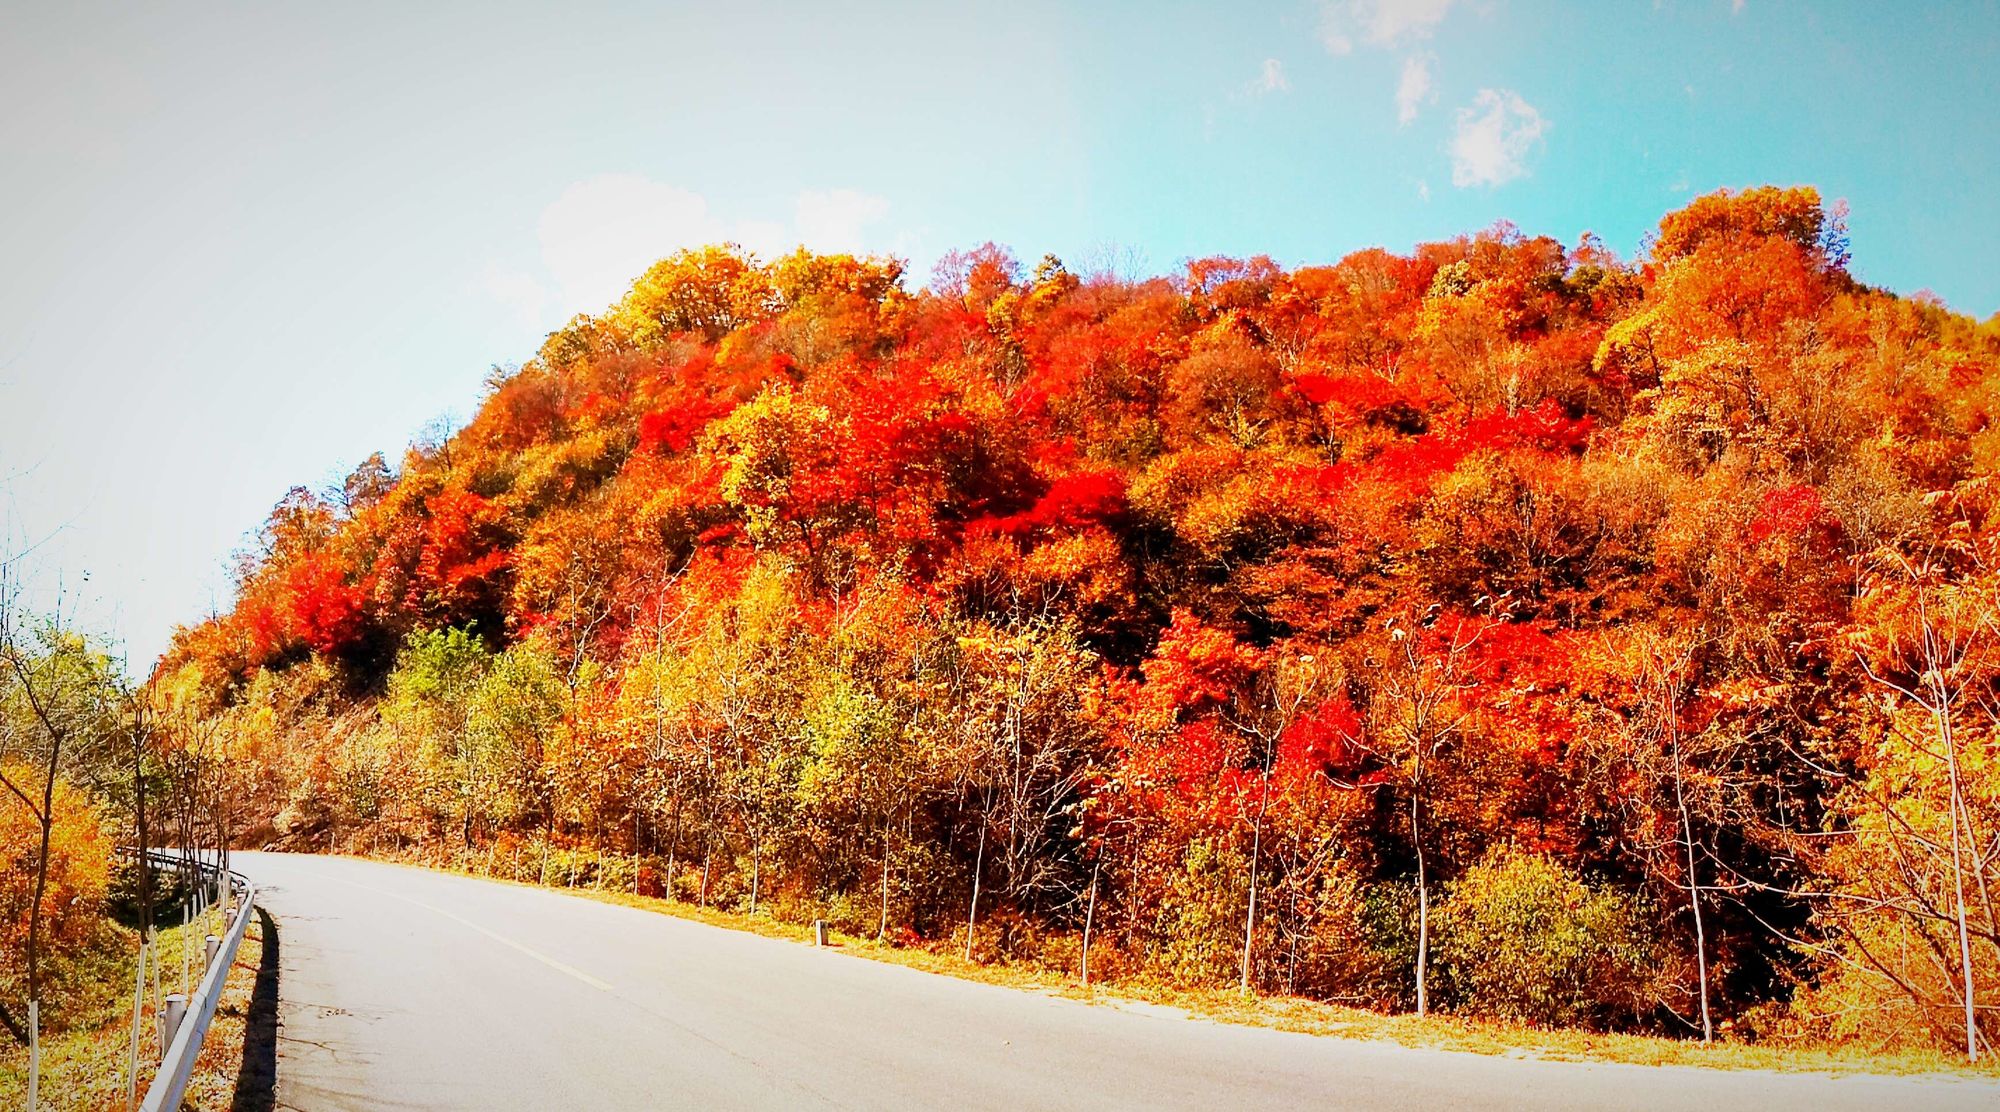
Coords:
177,1065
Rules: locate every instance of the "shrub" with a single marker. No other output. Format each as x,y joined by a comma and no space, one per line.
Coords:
1200,924
1333,946
76,937
1388,921
1521,937
1885,988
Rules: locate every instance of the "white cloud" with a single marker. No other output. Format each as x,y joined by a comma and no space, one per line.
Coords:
1379,23
832,221
1333,29
766,239
1414,87
603,232
1394,21
1384,25
1271,78
1495,133
517,291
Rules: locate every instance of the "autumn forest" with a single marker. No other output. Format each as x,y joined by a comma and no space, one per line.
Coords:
1501,628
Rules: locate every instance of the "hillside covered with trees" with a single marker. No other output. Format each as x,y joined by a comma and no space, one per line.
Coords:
1500,627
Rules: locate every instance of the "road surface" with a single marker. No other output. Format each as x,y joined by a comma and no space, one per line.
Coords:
406,989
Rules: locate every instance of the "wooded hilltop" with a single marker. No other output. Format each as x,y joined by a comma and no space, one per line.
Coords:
1502,628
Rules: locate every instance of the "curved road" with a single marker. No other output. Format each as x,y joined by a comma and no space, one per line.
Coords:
407,989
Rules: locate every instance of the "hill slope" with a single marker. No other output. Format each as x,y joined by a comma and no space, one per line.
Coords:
1498,626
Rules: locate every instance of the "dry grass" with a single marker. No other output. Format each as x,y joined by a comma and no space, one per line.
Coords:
1317,1018
84,1068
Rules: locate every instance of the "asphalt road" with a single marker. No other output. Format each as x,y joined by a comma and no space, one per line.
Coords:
406,989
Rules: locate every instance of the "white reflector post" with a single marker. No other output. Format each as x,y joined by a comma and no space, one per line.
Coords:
170,1020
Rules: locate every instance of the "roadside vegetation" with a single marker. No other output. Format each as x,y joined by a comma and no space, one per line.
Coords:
84,1063
89,768
1501,630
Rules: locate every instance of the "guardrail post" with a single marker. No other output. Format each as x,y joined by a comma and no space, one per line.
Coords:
170,1020
182,1019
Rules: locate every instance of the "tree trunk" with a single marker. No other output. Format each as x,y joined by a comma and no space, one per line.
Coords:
1256,852
978,864
1949,739
41,886
674,849
145,848
1292,960
882,928
1090,916
1423,907
1694,883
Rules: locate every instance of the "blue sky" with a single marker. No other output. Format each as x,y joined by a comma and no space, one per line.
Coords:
246,245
